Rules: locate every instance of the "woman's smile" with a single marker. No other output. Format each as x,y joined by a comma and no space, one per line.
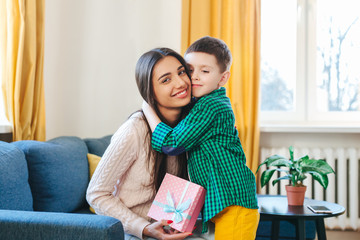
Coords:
181,94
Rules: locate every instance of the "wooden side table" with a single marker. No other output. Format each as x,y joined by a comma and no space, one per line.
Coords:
276,209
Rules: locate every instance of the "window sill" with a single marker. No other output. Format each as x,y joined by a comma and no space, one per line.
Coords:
5,128
269,128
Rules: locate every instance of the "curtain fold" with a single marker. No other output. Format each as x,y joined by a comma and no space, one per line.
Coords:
22,50
237,22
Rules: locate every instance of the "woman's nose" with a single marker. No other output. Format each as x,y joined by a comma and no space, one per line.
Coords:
180,82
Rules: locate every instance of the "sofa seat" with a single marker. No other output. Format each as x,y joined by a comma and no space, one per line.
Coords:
58,226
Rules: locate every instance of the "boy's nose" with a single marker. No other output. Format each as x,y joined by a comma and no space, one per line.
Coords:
194,76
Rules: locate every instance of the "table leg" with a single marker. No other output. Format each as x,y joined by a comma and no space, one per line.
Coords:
300,229
320,229
275,225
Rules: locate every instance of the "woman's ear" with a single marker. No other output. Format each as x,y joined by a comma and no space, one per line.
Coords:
224,78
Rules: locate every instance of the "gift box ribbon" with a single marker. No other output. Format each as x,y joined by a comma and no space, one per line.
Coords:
179,209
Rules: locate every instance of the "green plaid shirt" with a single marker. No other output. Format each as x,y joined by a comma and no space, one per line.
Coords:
216,158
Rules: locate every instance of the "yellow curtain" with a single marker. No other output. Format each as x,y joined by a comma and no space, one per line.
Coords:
22,50
237,22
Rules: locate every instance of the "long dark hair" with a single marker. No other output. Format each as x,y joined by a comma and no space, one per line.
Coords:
143,76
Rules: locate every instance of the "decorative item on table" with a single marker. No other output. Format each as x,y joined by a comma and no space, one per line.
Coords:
295,170
178,200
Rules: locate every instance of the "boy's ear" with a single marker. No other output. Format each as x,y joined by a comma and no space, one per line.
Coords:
224,78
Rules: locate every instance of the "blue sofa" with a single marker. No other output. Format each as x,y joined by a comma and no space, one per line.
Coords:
43,187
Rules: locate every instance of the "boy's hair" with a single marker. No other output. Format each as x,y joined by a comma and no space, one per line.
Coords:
215,47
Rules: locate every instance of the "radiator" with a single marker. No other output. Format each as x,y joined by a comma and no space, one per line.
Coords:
343,186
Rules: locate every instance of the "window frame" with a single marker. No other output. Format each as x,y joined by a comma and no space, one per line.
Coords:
305,95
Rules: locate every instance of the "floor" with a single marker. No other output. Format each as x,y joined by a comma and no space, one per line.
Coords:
343,235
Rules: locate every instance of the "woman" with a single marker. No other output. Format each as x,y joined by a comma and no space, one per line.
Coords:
130,172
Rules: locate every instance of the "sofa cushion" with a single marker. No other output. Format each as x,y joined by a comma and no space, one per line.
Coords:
15,193
58,173
98,146
93,162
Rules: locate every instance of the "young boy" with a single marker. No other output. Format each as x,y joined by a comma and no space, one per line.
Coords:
216,159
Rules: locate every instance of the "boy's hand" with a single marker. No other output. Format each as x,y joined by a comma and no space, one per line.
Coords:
146,107
150,115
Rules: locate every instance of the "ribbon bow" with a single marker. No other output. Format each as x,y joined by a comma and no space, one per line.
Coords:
178,210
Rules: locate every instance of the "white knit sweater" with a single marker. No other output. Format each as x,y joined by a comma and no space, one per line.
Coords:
119,187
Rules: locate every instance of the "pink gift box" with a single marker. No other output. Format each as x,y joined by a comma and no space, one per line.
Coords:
178,200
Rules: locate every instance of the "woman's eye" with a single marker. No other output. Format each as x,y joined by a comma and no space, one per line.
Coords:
182,72
165,80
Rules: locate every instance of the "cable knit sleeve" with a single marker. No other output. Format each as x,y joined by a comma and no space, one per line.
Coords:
121,154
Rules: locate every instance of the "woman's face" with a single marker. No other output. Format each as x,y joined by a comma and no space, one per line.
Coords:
172,87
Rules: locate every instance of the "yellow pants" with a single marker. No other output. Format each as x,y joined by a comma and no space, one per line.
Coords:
236,222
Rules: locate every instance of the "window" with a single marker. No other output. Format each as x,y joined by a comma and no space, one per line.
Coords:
4,123
310,54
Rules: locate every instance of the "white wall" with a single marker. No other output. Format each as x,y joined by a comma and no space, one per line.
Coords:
91,48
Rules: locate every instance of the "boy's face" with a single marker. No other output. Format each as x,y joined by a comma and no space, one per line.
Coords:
206,75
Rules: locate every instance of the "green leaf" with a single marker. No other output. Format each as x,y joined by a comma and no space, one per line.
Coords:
321,178
266,162
291,150
259,167
266,176
283,170
273,158
287,177
315,165
280,162
303,158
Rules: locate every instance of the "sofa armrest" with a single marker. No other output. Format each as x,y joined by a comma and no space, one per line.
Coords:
19,225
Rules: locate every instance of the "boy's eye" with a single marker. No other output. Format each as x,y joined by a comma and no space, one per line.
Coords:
191,70
205,71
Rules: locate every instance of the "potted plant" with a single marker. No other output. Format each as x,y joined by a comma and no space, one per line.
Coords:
296,170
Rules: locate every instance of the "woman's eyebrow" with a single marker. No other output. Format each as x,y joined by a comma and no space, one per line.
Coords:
165,74
168,73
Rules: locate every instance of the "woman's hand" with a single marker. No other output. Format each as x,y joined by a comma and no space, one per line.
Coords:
157,231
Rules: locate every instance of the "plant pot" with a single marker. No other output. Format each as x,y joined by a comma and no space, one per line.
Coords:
295,195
